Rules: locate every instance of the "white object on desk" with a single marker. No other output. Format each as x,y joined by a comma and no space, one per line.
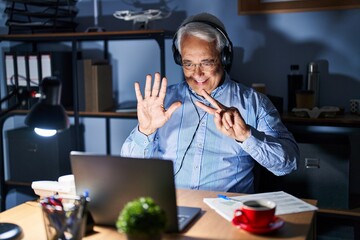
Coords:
285,203
64,186
315,112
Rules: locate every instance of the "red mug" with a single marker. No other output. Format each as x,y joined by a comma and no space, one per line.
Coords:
256,213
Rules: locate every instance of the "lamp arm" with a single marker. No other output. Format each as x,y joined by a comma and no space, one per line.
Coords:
6,111
10,95
22,97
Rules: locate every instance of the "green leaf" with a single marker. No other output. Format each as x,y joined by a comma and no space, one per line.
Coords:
141,216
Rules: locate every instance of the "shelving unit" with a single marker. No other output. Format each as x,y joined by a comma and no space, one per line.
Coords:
75,38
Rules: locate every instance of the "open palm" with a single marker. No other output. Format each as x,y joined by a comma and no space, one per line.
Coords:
150,106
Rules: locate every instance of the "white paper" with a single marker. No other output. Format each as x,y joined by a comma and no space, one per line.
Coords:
33,70
285,203
21,68
9,69
45,66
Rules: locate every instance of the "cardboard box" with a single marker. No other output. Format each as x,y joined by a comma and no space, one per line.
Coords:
97,84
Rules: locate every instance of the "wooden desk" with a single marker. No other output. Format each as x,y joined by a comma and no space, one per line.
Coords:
209,225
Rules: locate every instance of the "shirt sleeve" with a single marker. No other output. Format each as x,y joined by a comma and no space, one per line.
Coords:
138,144
270,143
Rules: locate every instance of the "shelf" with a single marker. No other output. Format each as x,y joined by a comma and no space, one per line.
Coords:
46,13
43,25
45,2
86,36
345,120
17,183
86,114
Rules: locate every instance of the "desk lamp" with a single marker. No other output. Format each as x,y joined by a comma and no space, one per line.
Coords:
48,116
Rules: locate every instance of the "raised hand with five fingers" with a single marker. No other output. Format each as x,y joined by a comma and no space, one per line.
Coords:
150,106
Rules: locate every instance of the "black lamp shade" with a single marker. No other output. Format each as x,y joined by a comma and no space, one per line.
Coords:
48,112
47,117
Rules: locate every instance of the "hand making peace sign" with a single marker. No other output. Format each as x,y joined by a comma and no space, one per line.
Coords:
228,120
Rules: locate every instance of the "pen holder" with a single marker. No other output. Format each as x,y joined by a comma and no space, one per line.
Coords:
64,219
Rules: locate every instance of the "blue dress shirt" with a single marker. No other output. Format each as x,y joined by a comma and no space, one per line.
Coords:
206,159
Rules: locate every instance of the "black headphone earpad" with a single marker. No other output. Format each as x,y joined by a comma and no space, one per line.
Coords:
176,55
226,56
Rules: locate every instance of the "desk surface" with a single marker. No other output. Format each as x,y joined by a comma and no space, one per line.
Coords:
209,225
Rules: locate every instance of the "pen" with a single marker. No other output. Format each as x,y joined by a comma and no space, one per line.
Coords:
228,198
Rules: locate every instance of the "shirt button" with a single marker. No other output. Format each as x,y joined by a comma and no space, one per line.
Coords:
199,145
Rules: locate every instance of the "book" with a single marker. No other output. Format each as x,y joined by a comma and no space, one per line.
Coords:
33,64
9,69
285,203
18,67
97,82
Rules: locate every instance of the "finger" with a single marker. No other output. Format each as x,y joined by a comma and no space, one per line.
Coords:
138,94
147,86
207,109
217,120
172,108
222,125
211,100
224,120
162,92
156,86
229,119
241,129
238,119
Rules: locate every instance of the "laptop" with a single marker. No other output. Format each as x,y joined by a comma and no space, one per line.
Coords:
112,181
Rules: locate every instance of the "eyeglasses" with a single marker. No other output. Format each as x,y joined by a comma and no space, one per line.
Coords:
206,65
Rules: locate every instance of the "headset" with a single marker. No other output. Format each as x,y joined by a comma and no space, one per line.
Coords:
226,53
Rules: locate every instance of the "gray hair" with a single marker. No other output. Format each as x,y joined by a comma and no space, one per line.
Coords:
203,31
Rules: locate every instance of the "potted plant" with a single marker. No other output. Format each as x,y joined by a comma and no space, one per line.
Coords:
142,219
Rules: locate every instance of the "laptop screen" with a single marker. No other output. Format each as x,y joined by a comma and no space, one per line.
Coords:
112,181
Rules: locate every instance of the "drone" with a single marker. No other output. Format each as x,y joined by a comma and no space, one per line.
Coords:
143,17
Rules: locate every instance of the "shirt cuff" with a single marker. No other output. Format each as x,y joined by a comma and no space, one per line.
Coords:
142,139
251,142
